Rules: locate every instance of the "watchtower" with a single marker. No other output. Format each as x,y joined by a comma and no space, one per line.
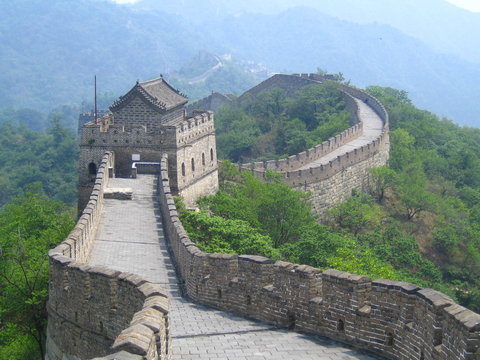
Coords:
148,121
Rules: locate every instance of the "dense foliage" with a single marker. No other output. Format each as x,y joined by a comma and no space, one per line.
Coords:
27,156
272,125
29,226
433,190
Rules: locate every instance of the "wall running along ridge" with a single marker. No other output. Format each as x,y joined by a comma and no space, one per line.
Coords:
394,319
96,311
333,182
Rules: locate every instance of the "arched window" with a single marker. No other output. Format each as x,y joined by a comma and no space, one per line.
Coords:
211,154
92,169
183,169
193,164
203,158
389,340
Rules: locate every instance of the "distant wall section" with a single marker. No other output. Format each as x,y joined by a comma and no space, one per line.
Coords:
332,182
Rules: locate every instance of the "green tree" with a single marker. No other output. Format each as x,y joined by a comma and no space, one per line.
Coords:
413,192
29,227
383,179
357,214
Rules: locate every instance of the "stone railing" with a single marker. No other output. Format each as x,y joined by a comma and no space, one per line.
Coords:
96,311
393,319
322,172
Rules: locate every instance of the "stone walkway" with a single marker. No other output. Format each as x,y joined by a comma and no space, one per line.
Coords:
130,238
372,129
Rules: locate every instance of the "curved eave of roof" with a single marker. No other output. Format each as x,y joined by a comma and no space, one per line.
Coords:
157,93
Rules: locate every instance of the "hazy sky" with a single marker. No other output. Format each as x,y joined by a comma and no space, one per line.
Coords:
472,5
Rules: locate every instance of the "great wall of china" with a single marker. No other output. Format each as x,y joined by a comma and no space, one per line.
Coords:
116,311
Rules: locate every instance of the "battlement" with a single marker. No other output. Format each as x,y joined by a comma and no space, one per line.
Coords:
298,178
394,319
95,311
192,128
293,162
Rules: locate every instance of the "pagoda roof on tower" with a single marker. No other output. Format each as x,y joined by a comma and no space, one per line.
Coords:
156,92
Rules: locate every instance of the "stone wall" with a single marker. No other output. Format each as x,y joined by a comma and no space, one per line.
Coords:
338,180
290,164
196,158
95,311
212,102
393,319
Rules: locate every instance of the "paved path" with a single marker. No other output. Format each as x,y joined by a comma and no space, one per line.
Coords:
372,128
130,238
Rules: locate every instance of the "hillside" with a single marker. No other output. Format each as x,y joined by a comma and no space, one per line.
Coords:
51,61
437,23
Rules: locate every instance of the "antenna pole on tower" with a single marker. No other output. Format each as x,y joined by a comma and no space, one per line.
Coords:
95,111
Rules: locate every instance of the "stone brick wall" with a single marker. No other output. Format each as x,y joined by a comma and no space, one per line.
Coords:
336,182
95,311
196,158
212,102
393,319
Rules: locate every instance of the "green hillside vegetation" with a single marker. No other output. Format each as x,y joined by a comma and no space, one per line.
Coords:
272,125
419,222
27,156
30,225
206,72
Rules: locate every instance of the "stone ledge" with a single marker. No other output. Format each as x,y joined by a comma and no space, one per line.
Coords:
118,193
435,298
396,285
122,355
135,339
256,259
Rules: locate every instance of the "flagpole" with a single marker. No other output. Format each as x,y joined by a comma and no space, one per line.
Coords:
95,113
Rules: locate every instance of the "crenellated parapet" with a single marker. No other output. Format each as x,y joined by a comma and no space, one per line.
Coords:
293,162
312,175
393,319
96,311
200,124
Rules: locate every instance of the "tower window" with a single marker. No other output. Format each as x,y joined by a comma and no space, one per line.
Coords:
203,158
211,154
92,168
193,164
183,169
